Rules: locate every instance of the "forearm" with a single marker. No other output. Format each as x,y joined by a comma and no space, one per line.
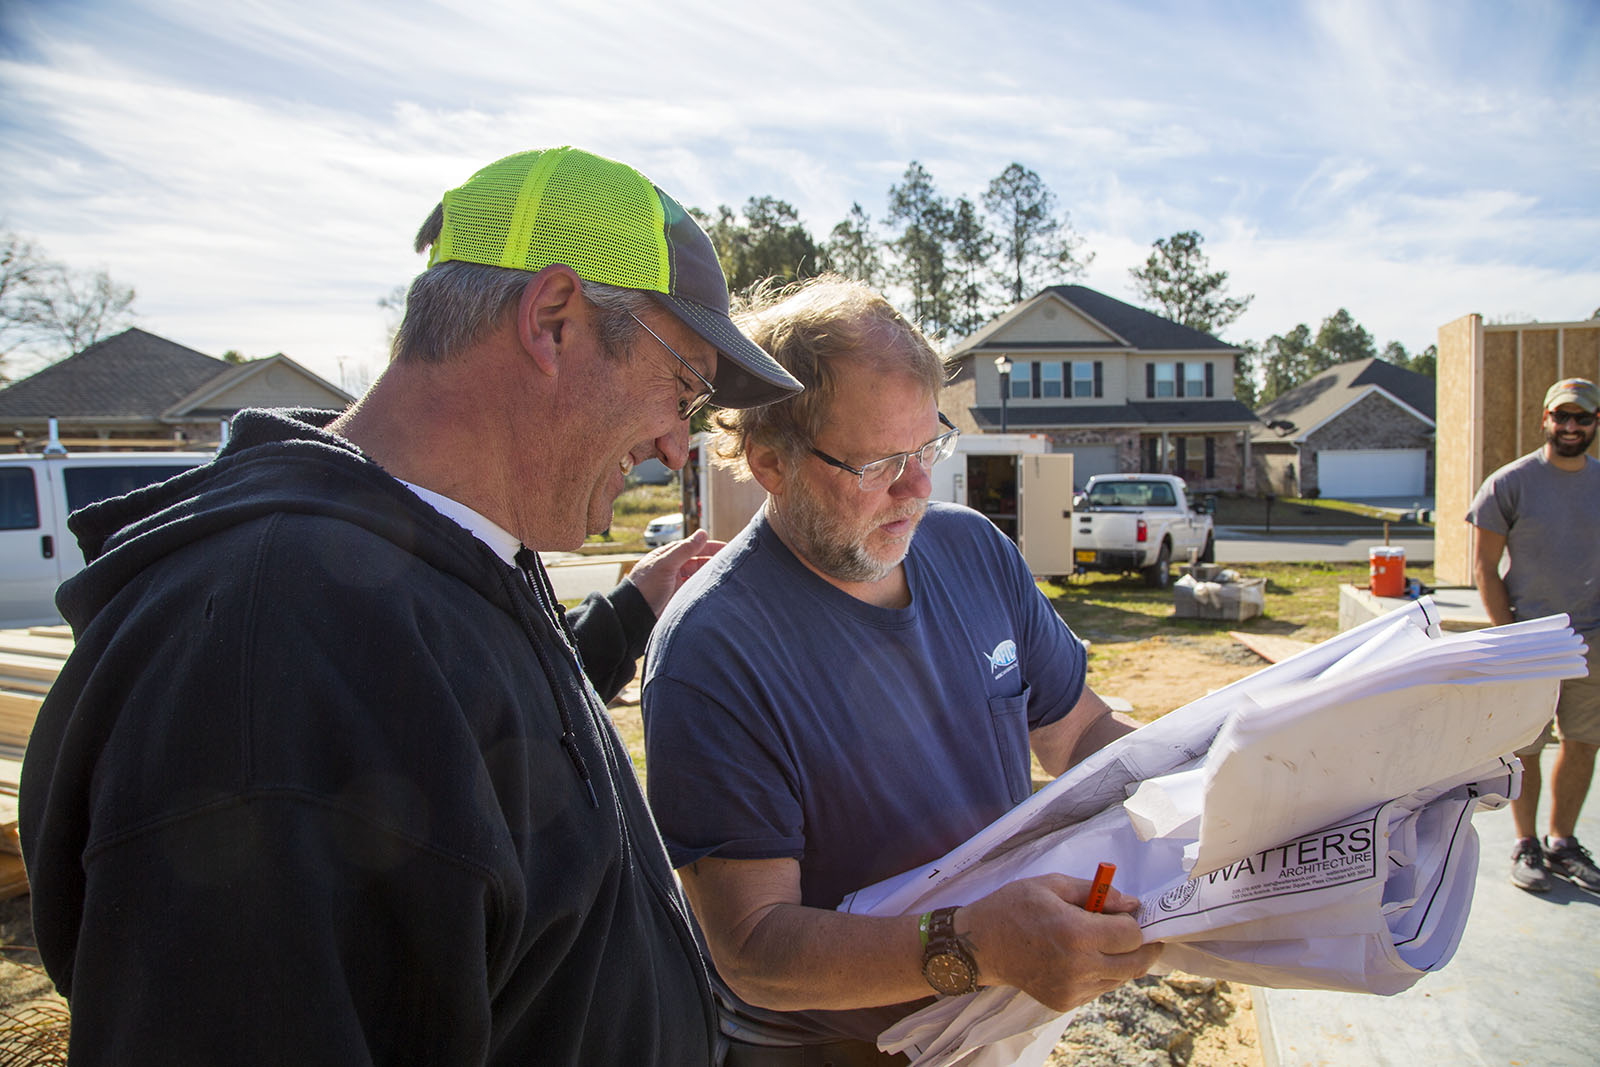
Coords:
1090,726
796,958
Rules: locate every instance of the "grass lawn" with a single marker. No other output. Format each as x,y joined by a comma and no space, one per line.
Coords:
634,509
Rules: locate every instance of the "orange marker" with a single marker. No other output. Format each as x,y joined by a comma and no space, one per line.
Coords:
1100,887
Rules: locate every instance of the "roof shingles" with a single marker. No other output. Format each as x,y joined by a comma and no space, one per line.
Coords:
132,373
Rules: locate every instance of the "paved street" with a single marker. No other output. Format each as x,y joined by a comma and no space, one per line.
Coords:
1252,546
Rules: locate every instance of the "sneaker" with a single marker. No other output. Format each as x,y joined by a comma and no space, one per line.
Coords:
1573,862
1527,867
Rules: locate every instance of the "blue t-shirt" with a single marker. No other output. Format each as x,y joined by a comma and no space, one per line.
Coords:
785,718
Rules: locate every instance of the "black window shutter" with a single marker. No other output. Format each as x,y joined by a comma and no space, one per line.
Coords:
1209,385
1149,379
1097,387
1178,389
1211,444
1035,365
1066,379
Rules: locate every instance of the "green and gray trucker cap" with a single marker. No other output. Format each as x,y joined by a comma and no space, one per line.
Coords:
611,225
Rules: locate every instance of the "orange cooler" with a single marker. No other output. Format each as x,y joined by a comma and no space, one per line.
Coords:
1388,571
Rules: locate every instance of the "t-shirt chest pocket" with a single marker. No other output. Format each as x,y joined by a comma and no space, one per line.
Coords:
1008,715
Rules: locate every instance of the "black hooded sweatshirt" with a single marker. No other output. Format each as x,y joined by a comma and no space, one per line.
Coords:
322,783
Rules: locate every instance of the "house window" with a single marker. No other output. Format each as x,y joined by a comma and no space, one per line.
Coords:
1166,379
1194,379
1021,379
1050,379
1083,378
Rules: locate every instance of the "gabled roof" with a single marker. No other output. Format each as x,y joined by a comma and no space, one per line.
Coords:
1128,328
1312,403
1133,415
133,373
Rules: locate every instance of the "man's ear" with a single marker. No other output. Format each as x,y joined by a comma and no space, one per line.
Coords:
551,304
768,465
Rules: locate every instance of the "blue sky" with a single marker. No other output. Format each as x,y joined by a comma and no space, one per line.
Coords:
257,169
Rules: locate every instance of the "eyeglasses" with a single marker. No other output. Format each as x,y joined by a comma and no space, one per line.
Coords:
1577,418
687,406
882,473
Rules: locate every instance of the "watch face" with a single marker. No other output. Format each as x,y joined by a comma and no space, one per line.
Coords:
948,973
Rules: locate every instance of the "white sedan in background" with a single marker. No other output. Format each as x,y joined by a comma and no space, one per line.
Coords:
662,529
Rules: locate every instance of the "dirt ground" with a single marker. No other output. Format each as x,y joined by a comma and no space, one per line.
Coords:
1157,675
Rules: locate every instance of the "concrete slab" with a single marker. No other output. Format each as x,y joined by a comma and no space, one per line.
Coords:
1460,607
1522,989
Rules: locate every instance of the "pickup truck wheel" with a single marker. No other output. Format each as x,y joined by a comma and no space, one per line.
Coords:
1209,553
1159,573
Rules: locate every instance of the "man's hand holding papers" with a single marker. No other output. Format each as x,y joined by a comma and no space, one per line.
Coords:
1025,931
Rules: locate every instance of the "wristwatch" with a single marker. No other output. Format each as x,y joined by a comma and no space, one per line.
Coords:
947,963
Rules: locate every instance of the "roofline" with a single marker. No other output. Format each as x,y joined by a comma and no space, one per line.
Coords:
1366,390
239,374
980,339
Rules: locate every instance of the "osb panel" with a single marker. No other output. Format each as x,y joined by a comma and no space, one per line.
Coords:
1539,372
1581,352
1498,443
1453,471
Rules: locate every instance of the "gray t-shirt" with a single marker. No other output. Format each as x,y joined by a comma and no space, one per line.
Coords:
1550,519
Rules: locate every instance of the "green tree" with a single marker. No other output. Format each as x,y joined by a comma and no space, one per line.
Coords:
1285,362
925,219
1177,277
852,250
768,241
1036,245
971,248
1339,340
1427,361
1244,375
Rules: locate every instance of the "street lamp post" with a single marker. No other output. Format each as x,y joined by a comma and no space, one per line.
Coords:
1003,365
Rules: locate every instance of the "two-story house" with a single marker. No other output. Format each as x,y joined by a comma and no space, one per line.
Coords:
1120,388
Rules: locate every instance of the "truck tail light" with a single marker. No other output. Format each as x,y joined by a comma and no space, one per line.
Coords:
1144,532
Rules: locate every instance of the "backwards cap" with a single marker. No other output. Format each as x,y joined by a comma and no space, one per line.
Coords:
612,226
1578,391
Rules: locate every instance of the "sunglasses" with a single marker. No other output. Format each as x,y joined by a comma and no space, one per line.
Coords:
1577,418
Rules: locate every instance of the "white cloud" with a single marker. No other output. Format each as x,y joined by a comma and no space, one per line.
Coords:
257,170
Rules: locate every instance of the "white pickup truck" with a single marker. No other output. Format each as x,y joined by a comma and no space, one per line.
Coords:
1139,522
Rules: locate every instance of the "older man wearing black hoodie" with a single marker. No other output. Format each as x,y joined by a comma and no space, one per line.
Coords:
328,778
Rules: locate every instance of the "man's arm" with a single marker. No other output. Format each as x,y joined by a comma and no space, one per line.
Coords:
612,628
1033,934
1486,575
1088,727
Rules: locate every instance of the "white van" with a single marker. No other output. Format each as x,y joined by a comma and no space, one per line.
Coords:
37,493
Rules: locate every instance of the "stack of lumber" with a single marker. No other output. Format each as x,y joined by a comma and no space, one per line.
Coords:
29,662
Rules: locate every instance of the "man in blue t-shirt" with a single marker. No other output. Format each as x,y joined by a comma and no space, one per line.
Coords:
850,689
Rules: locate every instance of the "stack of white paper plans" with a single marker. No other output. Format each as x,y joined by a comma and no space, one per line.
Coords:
1367,905
1306,827
1106,777
1400,713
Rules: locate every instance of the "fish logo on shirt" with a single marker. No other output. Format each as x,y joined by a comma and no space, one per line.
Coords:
1003,658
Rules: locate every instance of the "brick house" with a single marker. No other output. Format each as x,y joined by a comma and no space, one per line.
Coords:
136,388
1118,387
1358,429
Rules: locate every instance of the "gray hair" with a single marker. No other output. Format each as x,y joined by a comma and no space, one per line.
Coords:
811,328
453,305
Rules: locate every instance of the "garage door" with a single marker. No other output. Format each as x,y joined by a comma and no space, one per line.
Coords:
1372,472
1089,460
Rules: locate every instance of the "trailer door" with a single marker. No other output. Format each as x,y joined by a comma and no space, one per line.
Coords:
1045,506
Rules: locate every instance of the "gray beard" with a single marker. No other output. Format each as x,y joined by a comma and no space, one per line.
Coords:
826,547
